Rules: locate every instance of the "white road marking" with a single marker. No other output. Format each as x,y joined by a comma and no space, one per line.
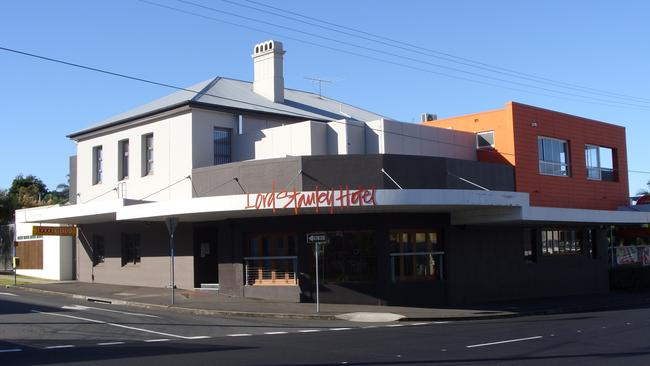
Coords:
109,343
81,307
62,346
441,322
239,335
274,333
308,330
340,329
156,340
395,325
420,323
502,342
116,325
369,326
8,294
10,350
198,337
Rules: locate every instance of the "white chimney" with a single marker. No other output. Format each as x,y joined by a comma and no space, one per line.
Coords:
268,80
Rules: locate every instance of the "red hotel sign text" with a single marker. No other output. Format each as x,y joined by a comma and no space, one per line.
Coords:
342,197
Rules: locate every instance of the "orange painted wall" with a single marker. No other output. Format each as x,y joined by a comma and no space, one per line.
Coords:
499,121
516,144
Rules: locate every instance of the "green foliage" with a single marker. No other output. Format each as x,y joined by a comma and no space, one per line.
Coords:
28,191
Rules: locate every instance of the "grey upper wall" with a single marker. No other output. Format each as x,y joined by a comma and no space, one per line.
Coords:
228,93
332,171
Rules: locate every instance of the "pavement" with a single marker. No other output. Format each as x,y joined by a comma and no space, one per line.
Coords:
203,302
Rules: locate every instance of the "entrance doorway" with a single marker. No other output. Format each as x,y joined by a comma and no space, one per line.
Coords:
206,260
348,268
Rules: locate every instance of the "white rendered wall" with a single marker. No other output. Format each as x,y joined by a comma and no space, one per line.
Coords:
172,161
392,137
345,137
58,263
298,139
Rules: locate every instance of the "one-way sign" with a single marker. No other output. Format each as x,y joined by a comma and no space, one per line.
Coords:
313,238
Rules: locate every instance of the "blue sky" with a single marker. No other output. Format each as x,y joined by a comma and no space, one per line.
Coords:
602,45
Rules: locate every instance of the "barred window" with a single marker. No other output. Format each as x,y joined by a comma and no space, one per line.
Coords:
222,146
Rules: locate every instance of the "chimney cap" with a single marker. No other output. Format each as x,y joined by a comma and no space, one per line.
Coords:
268,47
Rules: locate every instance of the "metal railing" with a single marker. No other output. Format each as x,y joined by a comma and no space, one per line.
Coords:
425,265
271,270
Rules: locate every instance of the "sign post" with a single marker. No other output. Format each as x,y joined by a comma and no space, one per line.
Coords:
16,263
171,223
317,239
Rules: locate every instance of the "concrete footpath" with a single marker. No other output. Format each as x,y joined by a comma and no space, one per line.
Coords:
211,303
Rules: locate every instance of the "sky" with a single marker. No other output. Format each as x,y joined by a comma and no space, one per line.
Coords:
587,58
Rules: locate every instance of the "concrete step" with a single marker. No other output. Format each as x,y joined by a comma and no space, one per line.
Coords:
209,287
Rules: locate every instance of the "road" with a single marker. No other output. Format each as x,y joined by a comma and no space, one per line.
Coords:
37,329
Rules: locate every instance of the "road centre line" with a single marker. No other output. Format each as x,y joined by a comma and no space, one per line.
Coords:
335,329
82,307
274,333
116,325
239,335
502,342
58,347
156,340
10,350
109,343
8,294
309,330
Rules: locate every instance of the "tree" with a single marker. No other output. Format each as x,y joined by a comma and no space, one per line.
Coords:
27,191
645,191
6,207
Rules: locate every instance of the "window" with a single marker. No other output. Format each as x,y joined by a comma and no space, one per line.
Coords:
485,140
560,242
147,154
222,146
553,156
98,164
600,163
98,250
530,246
130,249
123,151
271,259
415,256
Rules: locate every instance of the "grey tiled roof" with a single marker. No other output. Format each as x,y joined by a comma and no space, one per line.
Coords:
238,94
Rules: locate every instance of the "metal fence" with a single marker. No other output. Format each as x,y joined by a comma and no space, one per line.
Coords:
277,270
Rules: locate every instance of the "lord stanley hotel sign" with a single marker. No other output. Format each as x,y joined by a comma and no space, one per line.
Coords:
329,199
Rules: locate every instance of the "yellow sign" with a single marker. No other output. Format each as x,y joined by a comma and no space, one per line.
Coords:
16,262
54,230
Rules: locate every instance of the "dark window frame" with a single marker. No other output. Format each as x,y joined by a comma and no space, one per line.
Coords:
131,249
222,145
148,144
98,250
123,155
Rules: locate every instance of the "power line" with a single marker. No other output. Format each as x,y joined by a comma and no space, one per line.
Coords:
433,53
392,54
166,85
603,103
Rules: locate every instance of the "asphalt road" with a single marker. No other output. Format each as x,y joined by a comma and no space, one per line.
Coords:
38,329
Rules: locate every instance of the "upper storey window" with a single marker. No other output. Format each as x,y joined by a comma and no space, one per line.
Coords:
600,163
485,140
147,154
553,156
98,164
222,146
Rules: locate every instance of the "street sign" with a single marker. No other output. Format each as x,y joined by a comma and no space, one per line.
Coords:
54,230
316,238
